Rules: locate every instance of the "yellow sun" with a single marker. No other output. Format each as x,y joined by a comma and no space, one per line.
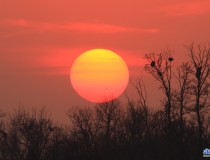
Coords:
98,75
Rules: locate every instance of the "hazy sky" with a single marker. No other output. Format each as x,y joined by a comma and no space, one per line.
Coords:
40,39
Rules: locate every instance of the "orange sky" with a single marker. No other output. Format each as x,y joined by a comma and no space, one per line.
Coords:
39,40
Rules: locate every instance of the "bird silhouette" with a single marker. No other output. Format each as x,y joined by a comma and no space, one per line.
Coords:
159,73
198,72
170,59
152,64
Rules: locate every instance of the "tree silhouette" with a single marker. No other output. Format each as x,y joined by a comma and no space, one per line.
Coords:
160,68
130,130
182,95
29,134
200,60
85,128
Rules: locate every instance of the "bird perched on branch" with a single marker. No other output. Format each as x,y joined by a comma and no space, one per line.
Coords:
170,59
160,73
152,64
198,72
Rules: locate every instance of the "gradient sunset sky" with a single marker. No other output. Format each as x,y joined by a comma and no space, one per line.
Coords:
39,40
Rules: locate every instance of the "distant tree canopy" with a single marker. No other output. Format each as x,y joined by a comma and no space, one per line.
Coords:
179,129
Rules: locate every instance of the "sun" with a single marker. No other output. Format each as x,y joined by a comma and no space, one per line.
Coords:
99,75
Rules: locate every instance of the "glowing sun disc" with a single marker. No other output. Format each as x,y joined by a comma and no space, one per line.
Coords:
98,75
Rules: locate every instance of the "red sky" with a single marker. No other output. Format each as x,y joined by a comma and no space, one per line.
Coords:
40,39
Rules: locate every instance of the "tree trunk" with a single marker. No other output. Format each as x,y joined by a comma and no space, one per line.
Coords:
200,128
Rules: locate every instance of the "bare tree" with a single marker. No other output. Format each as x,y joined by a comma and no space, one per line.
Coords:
141,102
60,146
84,125
109,115
200,59
30,134
183,97
161,69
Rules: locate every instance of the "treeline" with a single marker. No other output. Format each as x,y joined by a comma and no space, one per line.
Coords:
178,130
